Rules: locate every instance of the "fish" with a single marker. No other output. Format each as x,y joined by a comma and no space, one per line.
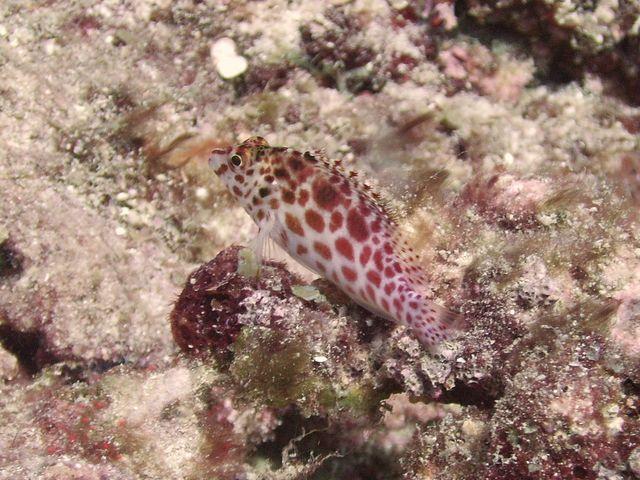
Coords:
331,222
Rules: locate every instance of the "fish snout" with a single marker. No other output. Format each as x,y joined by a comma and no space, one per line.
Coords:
219,157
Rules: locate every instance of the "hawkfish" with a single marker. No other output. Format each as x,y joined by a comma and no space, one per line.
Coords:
328,220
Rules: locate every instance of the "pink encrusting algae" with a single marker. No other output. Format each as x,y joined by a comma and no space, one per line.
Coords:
335,225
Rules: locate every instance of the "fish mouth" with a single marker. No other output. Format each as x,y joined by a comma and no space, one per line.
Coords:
221,151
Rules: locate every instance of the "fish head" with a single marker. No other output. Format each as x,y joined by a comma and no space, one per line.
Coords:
244,168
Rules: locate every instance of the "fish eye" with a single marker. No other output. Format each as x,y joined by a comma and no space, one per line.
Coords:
236,160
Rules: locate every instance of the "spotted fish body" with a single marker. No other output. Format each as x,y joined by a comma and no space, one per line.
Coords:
331,223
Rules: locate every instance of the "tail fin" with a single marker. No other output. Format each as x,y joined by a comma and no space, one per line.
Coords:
433,324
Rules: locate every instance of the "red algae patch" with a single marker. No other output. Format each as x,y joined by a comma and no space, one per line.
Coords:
205,317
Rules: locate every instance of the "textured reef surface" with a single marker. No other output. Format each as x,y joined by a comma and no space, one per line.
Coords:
140,339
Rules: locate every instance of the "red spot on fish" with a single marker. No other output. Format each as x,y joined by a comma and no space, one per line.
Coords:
260,215
365,255
345,188
321,267
239,178
373,277
413,305
322,249
306,173
349,274
237,191
293,224
357,226
388,249
301,250
325,195
397,305
295,164
344,248
222,169
336,221
364,210
376,226
377,258
288,196
385,304
303,197
280,173
397,267
274,203
315,220
389,288
371,293
389,272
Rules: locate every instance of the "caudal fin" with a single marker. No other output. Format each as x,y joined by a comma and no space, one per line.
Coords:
433,324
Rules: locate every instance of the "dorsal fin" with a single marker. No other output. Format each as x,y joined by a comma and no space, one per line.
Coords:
373,194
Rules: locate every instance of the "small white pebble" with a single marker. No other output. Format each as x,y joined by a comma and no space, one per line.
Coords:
78,148
472,428
399,4
202,193
507,158
605,14
50,47
135,219
320,359
227,62
547,219
121,231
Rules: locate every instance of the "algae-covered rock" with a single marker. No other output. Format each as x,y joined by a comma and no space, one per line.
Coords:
572,37
505,136
223,296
